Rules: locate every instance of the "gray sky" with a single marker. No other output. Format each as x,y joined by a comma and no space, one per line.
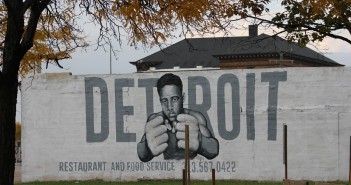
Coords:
94,61
98,61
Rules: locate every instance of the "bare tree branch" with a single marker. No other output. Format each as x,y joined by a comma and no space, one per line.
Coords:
28,37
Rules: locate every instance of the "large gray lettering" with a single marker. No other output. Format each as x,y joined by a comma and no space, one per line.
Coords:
121,110
273,78
149,85
250,106
203,107
234,83
90,83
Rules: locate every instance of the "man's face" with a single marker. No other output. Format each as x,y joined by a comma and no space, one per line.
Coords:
171,101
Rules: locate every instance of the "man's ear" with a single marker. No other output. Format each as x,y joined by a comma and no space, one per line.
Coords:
183,95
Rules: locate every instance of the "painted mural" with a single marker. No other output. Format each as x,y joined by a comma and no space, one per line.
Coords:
197,110
129,127
165,130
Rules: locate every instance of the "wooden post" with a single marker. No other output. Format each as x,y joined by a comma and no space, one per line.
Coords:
187,160
184,177
213,177
286,150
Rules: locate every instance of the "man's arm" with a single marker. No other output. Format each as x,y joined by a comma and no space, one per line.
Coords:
209,146
154,141
144,152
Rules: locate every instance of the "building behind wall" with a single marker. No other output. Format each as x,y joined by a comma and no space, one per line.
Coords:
246,52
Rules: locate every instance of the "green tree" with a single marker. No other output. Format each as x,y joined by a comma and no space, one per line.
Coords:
307,21
35,31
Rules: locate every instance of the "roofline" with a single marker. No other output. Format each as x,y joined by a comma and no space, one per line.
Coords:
313,59
247,55
275,55
176,68
148,63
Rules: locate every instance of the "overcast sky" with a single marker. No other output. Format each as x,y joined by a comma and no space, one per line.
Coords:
94,61
98,61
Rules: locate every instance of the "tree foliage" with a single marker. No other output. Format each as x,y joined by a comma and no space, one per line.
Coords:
150,22
306,21
52,40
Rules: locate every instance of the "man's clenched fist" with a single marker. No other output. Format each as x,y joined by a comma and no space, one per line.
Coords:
156,135
194,132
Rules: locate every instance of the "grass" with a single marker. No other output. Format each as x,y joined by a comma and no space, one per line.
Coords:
167,182
153,182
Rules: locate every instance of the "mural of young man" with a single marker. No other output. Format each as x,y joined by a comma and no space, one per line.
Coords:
165,130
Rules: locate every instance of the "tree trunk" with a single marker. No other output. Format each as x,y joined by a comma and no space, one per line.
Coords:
17,42
8,99
12,55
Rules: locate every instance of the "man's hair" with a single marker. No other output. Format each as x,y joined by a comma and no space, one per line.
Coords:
169,79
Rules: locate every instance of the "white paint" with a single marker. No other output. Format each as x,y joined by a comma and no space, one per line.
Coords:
313,102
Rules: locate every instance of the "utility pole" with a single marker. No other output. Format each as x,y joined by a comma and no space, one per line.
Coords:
110,58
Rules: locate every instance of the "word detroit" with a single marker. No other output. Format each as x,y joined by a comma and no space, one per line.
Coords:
149,84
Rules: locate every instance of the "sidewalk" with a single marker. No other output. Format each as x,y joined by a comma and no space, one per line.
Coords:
18,174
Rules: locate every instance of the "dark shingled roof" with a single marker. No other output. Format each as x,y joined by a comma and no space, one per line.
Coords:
205,52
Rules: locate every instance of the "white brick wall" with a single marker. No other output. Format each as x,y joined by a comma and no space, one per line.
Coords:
313,102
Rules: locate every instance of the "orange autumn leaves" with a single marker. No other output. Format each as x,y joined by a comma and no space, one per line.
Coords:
150,22
52,42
